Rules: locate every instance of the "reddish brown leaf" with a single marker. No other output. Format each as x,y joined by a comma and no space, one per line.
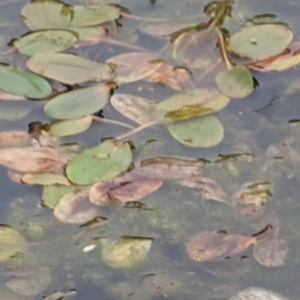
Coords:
126,188
13,138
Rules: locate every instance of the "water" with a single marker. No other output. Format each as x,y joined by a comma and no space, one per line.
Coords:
257,125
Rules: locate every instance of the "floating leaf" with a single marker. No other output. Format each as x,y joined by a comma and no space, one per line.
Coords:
19,82
12,242
11,97
286,60
260,41
44,179
210,189
88,169
13,111
125,252
271,251
257,293
196,48
33,159
168,167
78,103
75,208
90,33
68,68
90,15
177,78
30,283
134,66
71,127
134,108
42,14
211,245
127,188
45,41
190,104
52,194
236,83
13,138
206,131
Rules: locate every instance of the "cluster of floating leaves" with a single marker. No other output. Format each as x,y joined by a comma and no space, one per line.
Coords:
78,184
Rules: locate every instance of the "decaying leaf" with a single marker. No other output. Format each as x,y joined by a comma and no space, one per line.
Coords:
13,138
210,189
163,167
44,179
75,208
33,159
211,245
125,252
257,293
126,188
60,295
11,97
134,66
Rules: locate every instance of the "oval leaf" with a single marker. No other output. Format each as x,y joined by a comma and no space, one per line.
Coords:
44,179
68,68
16,81
190,104
78,103
260,41
206,131
91,165
257,293
13,111
14,138
42,14
45,41
71,127
235,83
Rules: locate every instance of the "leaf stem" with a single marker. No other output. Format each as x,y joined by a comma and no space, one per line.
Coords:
223,51
136,130
96,118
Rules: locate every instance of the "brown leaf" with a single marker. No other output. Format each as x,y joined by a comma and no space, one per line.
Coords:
163,167
126,188
13,138
271,251
33,159
211,245
210,188
177,78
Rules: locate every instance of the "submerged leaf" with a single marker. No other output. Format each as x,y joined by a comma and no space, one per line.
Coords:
42,14
134,108
190,104
78,103
236,83
44,179
33,159
75,208
90,33
260,41
206,131
86,168
13,111
71,127
125,252
45,41
134,66
126,188
89,15
19,82
168,167
257,293
69,68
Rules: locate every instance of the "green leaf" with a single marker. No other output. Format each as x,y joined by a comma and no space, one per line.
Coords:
71,127
190,104
134,108
78,103
45,41
202,132
13,111
261,41
88,169
94,15
42,14
52,194
69,68
16,81
44,179
236,83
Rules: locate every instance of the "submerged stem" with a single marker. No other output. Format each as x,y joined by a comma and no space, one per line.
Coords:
136,130
223,51
112,122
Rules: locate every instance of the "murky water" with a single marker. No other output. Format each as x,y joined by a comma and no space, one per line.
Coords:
256,127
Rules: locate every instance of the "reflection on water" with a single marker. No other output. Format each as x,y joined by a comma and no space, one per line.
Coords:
153,233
